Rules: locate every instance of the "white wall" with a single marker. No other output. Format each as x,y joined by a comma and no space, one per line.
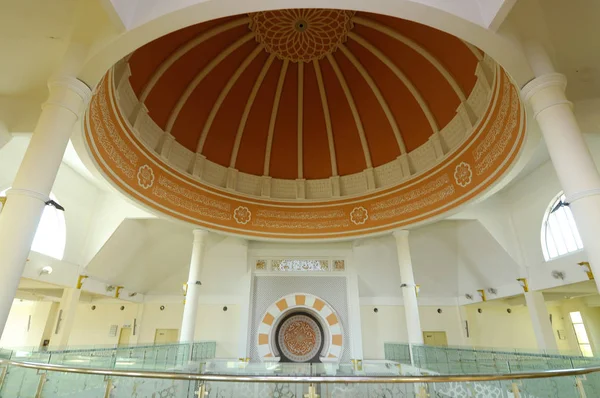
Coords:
388,325
16,333
496,328
212,324
91,327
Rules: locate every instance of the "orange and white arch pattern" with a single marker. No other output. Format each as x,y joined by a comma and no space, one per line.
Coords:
329,320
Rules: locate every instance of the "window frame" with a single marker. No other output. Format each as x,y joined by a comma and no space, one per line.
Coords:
587,336
546,233
62,225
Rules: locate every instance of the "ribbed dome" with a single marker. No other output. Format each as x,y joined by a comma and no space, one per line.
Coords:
304,93
305,124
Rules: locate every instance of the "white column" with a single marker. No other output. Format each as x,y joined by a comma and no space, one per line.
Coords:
30,190
4,135
190,309
570,156
245,309
354,318
540,320
66,317
409,294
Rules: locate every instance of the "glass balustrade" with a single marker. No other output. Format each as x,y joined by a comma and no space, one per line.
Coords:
183,365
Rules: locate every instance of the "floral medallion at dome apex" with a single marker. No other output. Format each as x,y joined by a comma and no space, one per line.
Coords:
305,124
301,34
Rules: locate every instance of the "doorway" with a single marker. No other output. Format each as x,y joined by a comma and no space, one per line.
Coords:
166,336
124,336
437,339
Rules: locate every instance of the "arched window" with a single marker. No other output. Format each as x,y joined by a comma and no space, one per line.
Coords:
559,232
51,236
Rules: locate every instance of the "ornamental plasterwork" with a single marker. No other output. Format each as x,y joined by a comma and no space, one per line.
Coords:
145,176
463,175
359,215
435,197
242,215
188,199
339,265
505,137
301,35
300,265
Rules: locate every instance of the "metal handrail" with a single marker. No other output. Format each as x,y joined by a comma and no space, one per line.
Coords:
305,379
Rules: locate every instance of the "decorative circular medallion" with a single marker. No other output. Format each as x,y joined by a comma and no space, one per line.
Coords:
301,34
145,176
242,215
463,174
359,215
299,338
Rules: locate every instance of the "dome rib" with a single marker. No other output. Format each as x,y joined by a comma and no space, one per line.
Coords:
184,49
353,108
401,76
382,102
200,76
282,74
300,118
248,108
327,116
420,50
217,105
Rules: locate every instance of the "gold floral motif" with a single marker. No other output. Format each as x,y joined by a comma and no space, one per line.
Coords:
188,205
504,139
262,222
300,215
261,265
359,215
435,197
301,35
242,215
463,174
339,265
496,129
413,194
300,265
145,176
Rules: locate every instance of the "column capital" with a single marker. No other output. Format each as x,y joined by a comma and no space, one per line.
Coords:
68,92
200,234
400,233
545,92
542,82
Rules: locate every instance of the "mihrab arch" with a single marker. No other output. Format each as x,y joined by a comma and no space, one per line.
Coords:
308,327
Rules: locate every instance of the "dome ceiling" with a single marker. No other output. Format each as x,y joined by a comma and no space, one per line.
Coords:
303,93
305,124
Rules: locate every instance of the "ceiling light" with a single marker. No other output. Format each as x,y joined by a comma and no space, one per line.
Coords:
47,270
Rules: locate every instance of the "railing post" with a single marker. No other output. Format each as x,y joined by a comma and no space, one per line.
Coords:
109,388
515,390
423,392
3,376
312,392
202,390
579,384
40,387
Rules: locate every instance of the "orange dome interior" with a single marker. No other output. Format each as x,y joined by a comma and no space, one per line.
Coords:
307,94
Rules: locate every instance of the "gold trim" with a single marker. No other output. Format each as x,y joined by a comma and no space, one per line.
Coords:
80,281
588,269
524,284
482,294
306,379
